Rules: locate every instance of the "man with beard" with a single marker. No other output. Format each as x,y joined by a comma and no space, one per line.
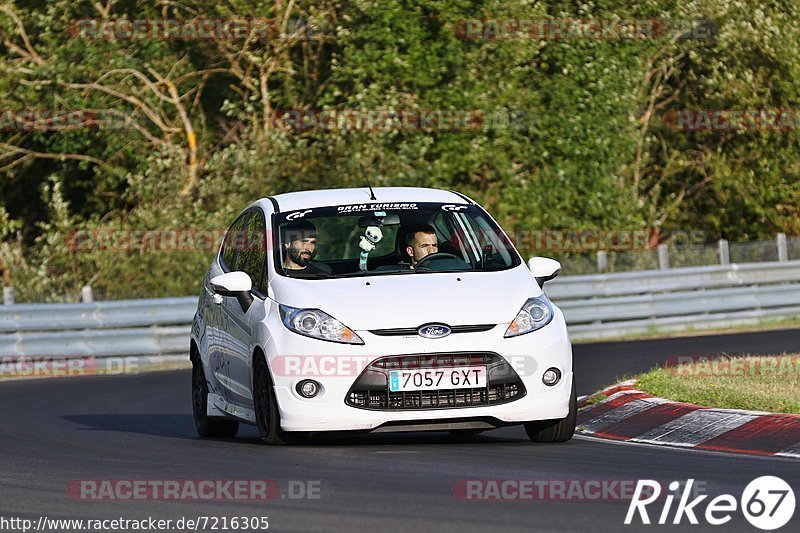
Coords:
299,246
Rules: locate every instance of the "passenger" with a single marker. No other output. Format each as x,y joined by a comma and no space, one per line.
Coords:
300,245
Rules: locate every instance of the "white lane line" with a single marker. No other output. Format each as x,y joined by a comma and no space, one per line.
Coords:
792,451
620,413
695,428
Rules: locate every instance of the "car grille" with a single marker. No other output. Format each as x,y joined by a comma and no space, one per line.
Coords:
397,332
371,389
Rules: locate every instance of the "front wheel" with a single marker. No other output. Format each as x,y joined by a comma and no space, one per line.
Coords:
558,430
206,427
266,409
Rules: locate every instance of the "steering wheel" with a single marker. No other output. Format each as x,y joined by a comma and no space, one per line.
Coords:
435,256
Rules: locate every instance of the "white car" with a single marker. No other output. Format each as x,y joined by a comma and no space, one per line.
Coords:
393,309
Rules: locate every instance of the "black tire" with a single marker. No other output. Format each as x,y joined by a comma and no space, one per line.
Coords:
558,430
207,427
268,418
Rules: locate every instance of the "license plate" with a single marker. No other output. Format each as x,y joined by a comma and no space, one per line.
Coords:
462,377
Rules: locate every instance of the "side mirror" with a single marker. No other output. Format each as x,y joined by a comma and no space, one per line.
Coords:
543,269
235,284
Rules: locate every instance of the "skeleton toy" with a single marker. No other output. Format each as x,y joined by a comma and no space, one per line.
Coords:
371,237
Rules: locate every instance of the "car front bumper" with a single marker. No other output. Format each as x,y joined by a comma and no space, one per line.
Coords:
293,358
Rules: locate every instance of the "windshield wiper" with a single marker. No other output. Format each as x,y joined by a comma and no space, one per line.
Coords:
321,275
424,270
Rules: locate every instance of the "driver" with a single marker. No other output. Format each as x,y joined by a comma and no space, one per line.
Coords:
421,241
299,241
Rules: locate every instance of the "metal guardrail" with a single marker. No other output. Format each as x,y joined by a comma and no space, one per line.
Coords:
154,340
615,330
97,315
596,306
676,279
607,306
681,304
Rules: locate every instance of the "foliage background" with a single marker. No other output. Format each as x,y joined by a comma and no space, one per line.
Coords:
588,147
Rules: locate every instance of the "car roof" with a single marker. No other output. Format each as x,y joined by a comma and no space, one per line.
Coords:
329,197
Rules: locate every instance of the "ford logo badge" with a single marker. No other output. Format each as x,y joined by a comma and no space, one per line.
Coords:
434,331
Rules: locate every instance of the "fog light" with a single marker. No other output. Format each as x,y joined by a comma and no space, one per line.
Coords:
308,388
551,376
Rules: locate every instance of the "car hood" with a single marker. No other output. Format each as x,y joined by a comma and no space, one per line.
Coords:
410,300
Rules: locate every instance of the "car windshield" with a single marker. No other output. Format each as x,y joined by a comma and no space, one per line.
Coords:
388,239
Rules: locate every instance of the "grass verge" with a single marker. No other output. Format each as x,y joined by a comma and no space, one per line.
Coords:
754,383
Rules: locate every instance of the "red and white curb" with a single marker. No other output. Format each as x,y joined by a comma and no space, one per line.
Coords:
628,414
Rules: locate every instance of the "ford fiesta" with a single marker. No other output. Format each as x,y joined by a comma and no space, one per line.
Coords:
393,309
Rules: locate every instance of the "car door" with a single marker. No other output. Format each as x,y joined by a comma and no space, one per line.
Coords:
219,326
244,323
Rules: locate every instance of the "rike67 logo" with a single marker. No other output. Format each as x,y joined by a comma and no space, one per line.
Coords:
767,503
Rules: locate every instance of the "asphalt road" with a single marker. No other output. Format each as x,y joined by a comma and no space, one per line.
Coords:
140,427
600,364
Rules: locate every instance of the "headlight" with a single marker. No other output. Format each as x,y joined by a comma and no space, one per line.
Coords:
318,325
535,314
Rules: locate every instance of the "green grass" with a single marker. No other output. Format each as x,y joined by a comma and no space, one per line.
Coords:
595,398
769,384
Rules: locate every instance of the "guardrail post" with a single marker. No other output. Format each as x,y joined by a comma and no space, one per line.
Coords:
86,294
724,252
602,261
663,257
8,295
783,252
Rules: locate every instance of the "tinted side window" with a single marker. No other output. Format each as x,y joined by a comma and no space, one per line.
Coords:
234,243
251,259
